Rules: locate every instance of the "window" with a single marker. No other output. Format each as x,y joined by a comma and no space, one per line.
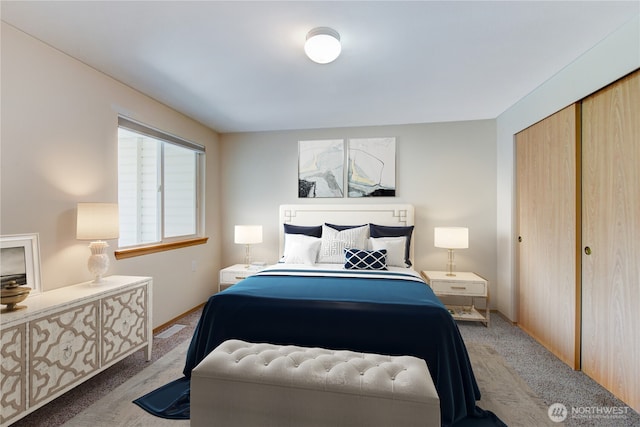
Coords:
159,191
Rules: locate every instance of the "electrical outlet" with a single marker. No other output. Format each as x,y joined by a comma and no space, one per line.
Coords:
194,266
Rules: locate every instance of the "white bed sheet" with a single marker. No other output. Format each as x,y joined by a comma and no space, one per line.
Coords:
280,265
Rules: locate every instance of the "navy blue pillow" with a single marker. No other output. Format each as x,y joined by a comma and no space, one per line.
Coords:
394,231
343,227
307,230
359,259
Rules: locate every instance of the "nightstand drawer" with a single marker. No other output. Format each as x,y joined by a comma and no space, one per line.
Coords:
453,287
463,284
234,276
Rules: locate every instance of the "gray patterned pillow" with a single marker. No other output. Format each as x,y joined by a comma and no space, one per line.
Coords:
334,243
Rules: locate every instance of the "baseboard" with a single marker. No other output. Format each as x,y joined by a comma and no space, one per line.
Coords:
175,319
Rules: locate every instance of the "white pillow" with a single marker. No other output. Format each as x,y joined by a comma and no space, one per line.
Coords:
395,247
334,243
300,249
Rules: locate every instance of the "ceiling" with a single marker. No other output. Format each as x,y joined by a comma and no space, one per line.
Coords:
239,66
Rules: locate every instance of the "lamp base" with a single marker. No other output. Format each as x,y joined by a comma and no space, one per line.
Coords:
451,266
98,262
247,256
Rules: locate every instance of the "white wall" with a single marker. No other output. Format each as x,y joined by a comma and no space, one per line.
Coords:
614,57
59,147
58,139
446,170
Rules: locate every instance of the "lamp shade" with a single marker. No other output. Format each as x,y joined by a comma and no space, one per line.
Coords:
248,234
451,237
323,45
97,221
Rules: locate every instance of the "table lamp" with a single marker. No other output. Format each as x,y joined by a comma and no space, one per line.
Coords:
98,222
451,238
248,235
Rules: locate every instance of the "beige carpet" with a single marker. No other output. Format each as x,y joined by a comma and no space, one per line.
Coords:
503,392
117,409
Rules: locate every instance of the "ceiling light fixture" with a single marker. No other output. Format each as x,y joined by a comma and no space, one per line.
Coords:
322,45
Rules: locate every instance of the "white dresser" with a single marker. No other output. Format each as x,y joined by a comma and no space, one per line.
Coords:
68,335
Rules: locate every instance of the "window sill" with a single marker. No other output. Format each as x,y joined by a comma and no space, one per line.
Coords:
160,247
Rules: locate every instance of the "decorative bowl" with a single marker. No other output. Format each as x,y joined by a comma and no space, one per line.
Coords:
11,296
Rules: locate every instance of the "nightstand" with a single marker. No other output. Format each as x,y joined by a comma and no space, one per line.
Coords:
463,284
229,276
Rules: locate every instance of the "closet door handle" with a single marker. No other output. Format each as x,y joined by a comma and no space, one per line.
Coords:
587,250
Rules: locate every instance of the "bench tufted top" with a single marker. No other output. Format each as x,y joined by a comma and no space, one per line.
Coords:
338,371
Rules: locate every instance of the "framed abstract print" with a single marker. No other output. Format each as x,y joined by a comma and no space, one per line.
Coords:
372,167
321,168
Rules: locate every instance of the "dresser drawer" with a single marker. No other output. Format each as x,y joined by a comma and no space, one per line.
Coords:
124,323
63,349
13,361
452,287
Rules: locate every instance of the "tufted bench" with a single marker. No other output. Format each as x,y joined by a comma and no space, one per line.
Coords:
245,384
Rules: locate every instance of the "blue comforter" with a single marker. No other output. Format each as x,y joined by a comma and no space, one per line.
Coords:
360,311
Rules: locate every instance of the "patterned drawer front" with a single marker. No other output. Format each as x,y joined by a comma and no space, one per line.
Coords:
233,276
13,387
459,287
63,350
124,323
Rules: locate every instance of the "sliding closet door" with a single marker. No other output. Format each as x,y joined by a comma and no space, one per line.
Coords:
611,239
547,213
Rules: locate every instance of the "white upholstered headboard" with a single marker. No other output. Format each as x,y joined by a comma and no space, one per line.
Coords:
384,214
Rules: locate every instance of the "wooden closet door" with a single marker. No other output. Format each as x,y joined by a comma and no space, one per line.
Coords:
611,230
547,214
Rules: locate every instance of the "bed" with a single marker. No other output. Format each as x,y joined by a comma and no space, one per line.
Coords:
380,305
